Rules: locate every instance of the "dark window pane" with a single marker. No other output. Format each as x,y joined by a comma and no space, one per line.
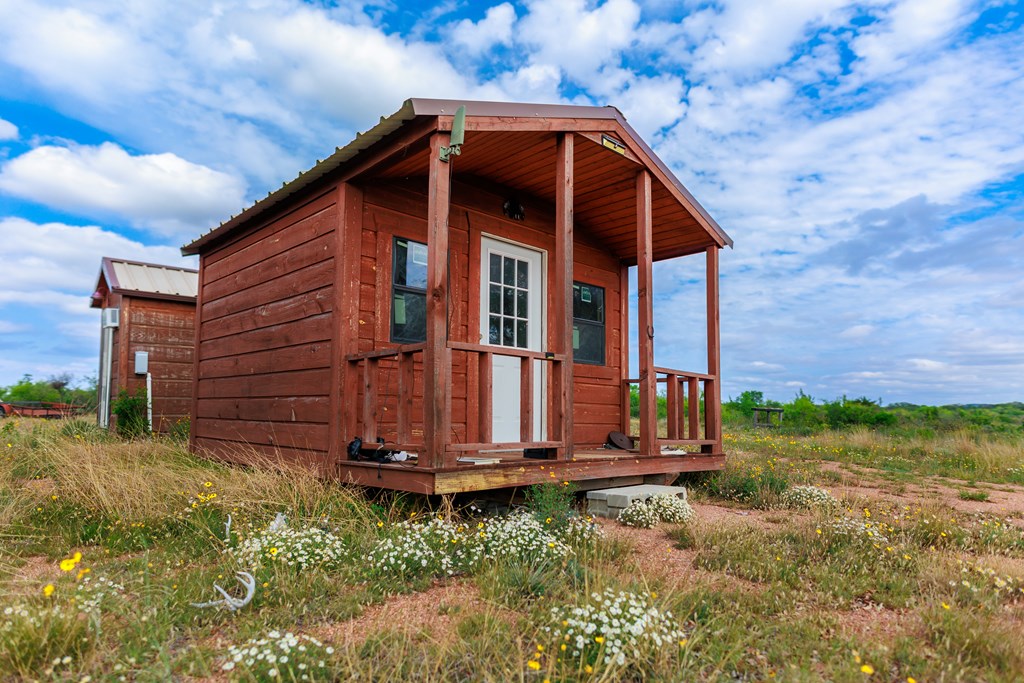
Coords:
495,268
408,291
588,343
521,304
495,303
409,317
510,271
588,323
508,332
588,302
509,294
521,337
523,274
494,330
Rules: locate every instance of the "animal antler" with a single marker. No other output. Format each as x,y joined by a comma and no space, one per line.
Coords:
233,603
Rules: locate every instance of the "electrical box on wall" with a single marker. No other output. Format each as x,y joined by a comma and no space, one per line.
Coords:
141,362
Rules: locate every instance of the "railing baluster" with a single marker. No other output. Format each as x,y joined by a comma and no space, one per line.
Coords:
406,383
694,408
485,395
370,400
526,399
672,406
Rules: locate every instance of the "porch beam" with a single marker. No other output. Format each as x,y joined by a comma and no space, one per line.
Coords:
348,235
437,358
564,178
713,387
645,315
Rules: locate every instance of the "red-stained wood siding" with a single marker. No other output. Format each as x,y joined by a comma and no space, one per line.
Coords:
265,336
164,329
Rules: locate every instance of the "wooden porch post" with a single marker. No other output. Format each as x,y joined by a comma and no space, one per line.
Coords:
348,234
563,399
645,316
625,410
713,403
437,358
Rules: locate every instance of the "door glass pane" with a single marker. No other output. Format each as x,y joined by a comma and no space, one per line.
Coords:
523,274
510,271
521,336
508,332
495,303
495,268
494,335
521,304
509,297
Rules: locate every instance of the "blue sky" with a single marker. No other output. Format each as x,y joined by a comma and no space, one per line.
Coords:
866,157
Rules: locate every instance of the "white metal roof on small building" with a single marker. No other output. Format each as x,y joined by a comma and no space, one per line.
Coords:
147,280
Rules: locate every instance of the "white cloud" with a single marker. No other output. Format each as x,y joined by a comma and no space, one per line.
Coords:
161,193
494,29
578,40
8,131
857,332
7,327
74,51
38,258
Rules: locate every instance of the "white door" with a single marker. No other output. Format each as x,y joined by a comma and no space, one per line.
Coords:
512,315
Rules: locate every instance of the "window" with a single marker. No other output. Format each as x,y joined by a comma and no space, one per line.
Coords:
588,323
409,291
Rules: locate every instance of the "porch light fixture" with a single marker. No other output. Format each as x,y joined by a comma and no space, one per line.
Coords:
513,208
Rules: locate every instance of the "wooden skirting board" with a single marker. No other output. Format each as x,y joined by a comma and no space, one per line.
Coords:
520,472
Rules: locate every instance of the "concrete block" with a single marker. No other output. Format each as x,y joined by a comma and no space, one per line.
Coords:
610,502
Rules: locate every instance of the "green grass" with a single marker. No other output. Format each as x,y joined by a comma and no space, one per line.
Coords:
783,595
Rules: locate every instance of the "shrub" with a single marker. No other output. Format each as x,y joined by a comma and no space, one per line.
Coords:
132,421
615,627
661,508
300,549
808,498
553,503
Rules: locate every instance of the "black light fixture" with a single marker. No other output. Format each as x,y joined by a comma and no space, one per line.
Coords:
513,209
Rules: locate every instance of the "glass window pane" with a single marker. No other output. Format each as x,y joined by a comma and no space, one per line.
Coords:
588,302
508,332
401,254
495,303
495,268
494,336
591,343
521,304
510,271
409,317
509,294
521,337
523,274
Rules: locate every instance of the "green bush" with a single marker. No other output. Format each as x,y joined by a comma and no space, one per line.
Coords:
130,410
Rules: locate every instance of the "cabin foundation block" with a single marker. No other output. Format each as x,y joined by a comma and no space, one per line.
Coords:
610,502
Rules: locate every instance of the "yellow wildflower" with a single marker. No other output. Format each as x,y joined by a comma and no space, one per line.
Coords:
48,589
69,563
533,664
598,639
868,669
207,484
588,669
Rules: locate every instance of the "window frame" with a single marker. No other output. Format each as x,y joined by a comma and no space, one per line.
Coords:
405,289
586,322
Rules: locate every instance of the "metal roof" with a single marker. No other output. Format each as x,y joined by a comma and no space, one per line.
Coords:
424,107
148,280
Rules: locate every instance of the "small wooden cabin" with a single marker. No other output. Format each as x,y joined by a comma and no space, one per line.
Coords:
466,304
146,308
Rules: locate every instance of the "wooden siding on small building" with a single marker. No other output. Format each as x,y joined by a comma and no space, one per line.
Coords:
165,330
265,335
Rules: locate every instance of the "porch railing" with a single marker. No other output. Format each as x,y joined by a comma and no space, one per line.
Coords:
689,422
483,392
363,382
368,412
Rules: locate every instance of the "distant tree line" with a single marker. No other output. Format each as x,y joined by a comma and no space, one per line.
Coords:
805,415
62,388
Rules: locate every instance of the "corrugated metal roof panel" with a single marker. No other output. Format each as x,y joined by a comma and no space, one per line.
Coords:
133,277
